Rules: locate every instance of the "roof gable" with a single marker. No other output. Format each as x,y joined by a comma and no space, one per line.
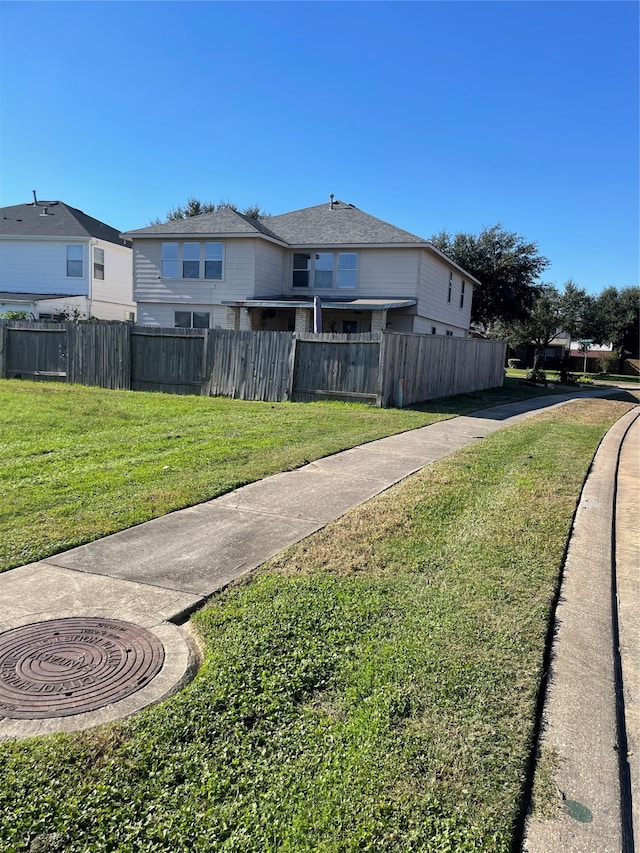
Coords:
337,223
54,219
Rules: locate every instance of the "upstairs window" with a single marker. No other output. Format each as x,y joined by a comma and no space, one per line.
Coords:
347,270
170,265
213,260
301,269
98,263
75,261
191,260
450,286
325,270
462,295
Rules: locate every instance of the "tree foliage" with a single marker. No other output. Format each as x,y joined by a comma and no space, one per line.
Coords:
614,317
553,313
195,207
505,264
541,325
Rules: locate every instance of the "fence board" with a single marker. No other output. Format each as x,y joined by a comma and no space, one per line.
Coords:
392,369
329,366
99,354
36,352
415,368
168,360
249,365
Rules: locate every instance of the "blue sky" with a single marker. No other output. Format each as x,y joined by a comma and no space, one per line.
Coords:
430,115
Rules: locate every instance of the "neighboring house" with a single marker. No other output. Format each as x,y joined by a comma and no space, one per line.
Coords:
56,260
224,269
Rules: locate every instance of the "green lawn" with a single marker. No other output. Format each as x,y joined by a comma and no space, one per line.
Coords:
554,376
79,463
371,689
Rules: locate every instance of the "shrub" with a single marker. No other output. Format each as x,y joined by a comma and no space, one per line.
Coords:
514,363
608,362
14,315
536,375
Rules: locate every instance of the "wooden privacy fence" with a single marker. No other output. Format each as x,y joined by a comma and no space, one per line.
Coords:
387,369
414,368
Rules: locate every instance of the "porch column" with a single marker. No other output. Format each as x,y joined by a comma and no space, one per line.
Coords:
232,318
303,319
379,320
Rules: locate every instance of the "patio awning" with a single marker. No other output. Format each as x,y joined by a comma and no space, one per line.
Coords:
340,305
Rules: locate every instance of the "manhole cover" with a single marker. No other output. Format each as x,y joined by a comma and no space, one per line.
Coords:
69,666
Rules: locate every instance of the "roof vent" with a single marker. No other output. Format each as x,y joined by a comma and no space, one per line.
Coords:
331,197
35,199
45,212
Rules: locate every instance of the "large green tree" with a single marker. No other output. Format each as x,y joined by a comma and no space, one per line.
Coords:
195,206
507,267
541,325
614,318
552,314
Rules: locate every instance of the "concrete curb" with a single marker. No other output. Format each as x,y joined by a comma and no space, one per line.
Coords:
580,728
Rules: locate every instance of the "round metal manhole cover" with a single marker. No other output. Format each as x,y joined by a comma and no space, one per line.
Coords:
69,666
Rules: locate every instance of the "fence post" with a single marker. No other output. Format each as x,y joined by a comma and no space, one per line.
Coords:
4,340
204,388
292,367
382,350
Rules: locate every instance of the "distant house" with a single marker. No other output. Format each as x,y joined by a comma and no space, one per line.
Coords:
54,259
226,270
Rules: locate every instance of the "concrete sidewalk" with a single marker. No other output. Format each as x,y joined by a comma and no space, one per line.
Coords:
155,574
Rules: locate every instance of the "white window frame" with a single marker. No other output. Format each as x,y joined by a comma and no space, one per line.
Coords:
72,260
462,294
167,258
191,319
450,286
176,263
98,263
316,263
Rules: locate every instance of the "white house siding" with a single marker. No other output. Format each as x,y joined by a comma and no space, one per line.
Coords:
112,298
433,304
40,266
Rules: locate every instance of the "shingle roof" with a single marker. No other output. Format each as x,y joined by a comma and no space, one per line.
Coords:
336,224
223,222
53,219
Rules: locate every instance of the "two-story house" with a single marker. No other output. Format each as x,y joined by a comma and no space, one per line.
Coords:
226,270
55,260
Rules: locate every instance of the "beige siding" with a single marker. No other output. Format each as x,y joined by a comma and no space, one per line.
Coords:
269,270
433,292
388,273
238,273
162,316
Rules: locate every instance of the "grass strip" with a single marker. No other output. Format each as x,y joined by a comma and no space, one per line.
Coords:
371,689
79,463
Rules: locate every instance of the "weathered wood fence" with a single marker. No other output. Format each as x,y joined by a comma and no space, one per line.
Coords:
388,369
